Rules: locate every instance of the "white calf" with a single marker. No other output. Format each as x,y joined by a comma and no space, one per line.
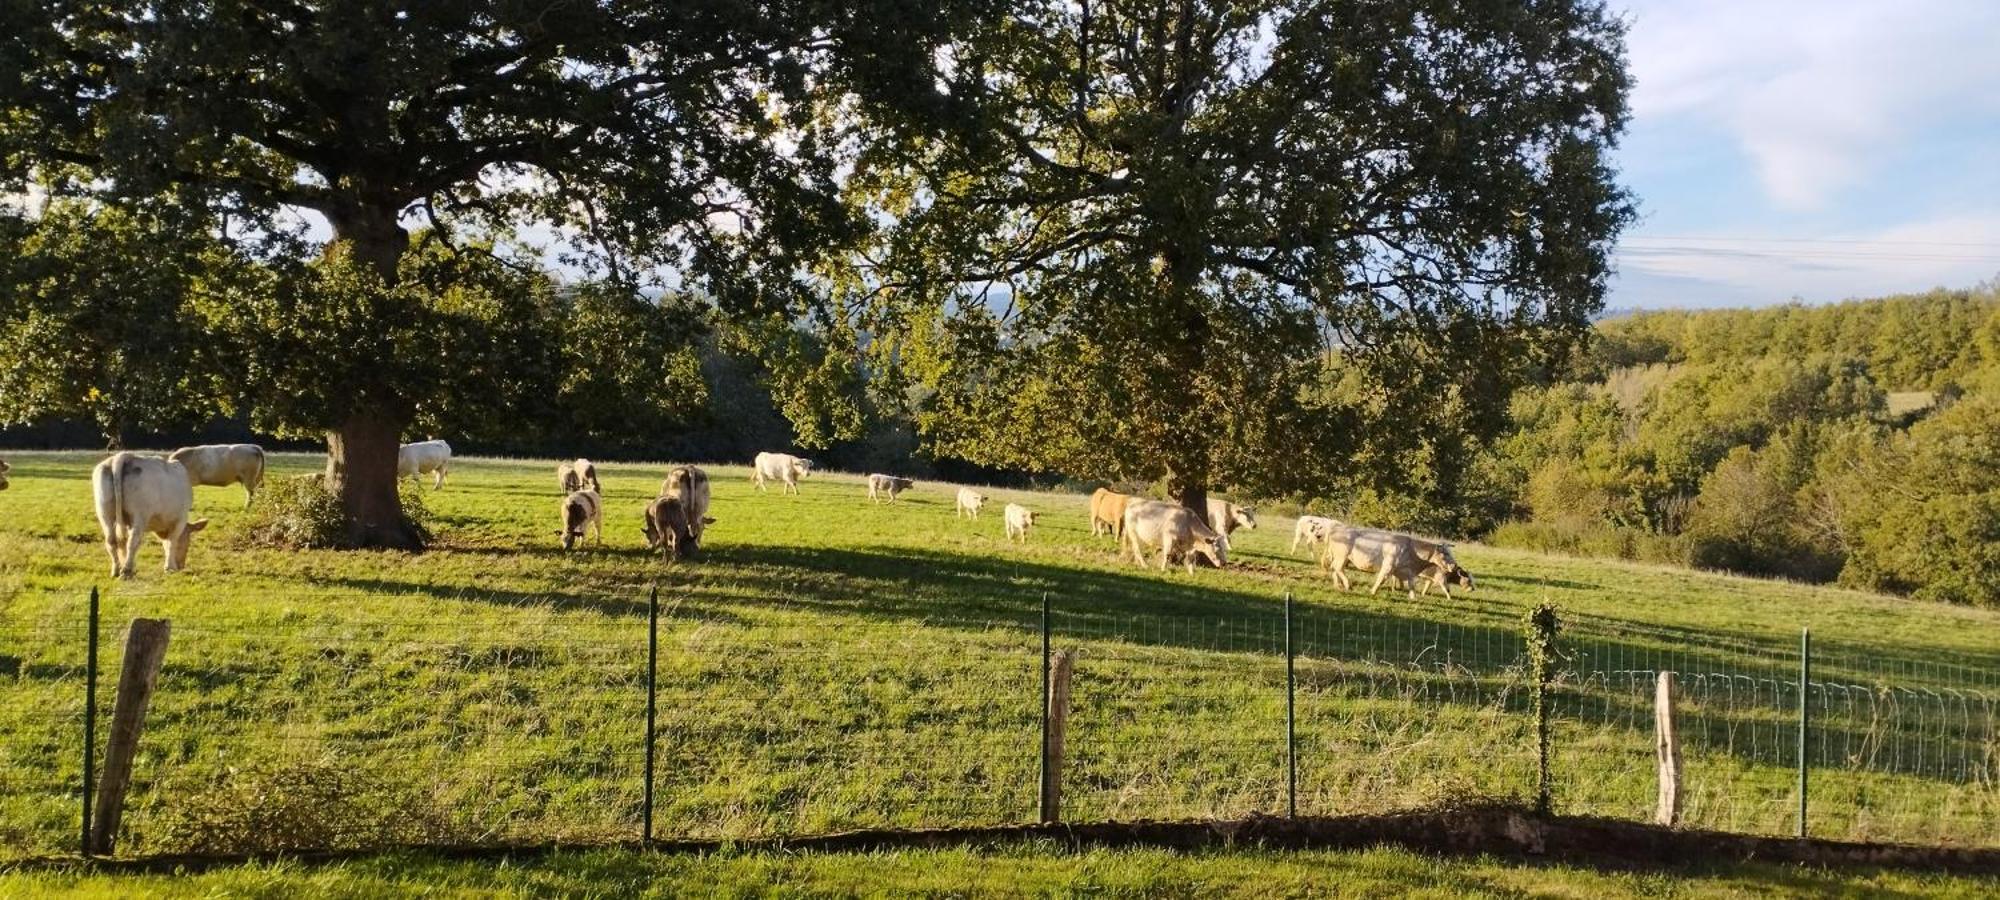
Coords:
969,502
1019,520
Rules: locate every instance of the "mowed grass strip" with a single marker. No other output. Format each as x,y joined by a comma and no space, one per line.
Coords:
829,663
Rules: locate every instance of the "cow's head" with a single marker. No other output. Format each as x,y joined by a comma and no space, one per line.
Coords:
1211,547
1454,574
1245,516
802,467
177,549
570,480
668,530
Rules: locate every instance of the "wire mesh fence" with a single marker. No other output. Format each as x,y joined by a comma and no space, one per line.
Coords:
314,727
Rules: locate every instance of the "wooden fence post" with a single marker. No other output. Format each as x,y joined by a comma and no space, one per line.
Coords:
145,649
1667,745
1060,669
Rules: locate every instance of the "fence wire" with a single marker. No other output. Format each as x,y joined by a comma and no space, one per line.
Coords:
332,729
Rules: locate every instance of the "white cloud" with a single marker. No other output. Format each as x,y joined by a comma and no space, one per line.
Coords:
1815,92
1731,268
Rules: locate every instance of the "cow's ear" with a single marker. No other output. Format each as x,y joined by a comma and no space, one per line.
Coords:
196,525
707,520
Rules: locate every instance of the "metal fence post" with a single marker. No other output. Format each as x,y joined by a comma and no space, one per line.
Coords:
1291,719
89,726
1805,678
652,700
1042,771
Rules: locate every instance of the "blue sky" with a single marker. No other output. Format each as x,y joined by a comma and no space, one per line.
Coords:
1817,150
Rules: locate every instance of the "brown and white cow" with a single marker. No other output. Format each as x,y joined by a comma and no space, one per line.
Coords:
676,519
1391,554
1175,530
887,486
581,509
578,474
1107,511
4,467
139,494
783,468
221,465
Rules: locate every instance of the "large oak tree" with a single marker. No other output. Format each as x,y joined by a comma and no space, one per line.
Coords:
683,136
1248,242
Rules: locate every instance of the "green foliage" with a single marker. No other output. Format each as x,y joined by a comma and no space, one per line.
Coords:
1185,256
299,513
302,805
1920,510
1542,628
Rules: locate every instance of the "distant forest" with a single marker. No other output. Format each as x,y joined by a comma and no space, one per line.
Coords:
1856,443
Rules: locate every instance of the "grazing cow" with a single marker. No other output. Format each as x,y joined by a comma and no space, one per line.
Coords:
221,465
1313,530
1391,554
1175,529
1107,511
137,494
423,458
577,475
888,486
3,474
1225,517
969,502
1019,520
670,530
580,509
690,484
783,468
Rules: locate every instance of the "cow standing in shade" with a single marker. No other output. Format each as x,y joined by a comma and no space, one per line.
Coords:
424,458
582,509
578,474
783,468
221,465
1173,528
1019,519
3,474
887,486
138,494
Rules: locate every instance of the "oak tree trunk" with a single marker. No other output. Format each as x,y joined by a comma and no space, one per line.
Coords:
361,452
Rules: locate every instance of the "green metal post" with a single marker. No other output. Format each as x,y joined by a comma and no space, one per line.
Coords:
89,724
652,700
1291,719
1805,722
1042,772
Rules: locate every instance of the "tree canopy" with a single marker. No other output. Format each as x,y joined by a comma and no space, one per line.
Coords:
1247,243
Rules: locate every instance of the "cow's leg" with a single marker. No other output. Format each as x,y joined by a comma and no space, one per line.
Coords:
134,538
113,537
1380,577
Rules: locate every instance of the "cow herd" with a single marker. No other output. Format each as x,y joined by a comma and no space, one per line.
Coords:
137,494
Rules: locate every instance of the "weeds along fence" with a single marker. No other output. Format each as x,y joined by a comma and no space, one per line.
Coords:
305,725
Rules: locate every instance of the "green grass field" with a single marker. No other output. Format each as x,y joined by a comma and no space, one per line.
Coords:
829,664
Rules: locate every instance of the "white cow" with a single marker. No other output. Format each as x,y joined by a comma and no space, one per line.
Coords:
221,465
887,486
783,468
1313,531
1175,529
1391,554
139,494
581,509
577,475
423,458
969,502
1019,520
1225,517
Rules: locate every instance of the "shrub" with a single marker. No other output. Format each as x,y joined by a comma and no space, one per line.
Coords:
325,804
299,513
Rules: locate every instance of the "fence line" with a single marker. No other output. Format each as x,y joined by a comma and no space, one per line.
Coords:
321,731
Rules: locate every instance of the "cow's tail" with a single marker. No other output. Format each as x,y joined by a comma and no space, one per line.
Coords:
111,497
257,476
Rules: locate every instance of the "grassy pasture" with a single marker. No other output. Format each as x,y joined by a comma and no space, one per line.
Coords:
832,664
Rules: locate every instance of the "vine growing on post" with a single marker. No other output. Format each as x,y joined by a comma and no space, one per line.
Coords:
1543,623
